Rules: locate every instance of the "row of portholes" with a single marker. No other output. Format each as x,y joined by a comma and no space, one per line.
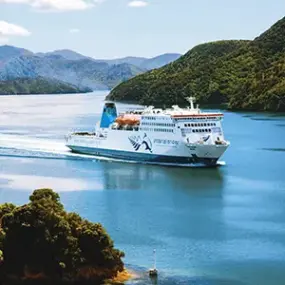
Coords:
200,125
202,131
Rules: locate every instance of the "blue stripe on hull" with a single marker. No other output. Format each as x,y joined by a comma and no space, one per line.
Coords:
143,157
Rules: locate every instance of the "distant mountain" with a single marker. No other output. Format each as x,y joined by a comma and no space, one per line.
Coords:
38,86
81,73
159,61
72,55
247,75
137,61
65,53
8,52
140,62
146,63
73,68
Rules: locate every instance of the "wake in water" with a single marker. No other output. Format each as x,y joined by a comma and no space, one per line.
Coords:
19,146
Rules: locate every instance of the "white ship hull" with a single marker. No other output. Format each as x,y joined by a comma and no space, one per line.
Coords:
136,146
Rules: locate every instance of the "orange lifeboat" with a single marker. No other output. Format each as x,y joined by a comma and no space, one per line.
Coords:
128,119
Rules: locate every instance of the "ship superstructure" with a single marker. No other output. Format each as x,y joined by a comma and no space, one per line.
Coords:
185,136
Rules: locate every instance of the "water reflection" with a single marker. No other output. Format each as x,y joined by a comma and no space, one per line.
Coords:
124,176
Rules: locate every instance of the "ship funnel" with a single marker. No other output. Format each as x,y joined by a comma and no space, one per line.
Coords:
109,115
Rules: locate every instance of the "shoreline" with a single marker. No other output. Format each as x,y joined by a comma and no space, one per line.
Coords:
124,276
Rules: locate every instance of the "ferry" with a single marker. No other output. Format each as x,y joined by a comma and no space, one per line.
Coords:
174,136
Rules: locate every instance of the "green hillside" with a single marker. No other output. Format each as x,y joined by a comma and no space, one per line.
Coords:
38,86
247,75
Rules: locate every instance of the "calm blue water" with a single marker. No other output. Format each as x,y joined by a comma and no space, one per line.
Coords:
209,226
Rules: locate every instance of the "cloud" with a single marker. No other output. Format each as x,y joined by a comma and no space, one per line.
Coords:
136,3
8,29
74,31
56,5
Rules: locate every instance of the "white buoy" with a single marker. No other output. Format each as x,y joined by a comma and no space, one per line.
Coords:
153,271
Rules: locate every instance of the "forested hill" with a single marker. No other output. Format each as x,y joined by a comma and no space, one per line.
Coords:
247,75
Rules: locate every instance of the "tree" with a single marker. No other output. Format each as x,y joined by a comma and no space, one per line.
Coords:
40,240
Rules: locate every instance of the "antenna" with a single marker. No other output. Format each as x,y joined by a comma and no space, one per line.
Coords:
191,101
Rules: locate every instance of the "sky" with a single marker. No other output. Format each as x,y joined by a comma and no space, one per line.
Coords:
118,28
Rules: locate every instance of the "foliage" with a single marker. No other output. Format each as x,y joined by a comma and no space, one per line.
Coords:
38,85
243,74
41,241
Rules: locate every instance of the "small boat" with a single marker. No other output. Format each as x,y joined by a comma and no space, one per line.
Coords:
153,272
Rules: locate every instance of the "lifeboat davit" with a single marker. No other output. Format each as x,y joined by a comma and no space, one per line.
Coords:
128,119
